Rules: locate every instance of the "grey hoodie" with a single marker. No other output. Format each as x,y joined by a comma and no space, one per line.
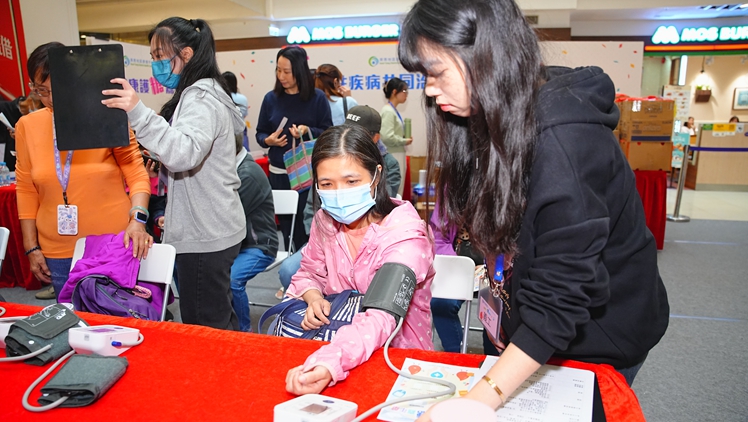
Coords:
204,212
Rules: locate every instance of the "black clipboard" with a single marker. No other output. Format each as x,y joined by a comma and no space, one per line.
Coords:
79,74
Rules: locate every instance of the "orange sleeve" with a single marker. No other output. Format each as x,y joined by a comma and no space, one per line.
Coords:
131,163
27,195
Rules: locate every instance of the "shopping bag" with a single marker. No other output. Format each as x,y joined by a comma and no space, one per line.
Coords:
298,162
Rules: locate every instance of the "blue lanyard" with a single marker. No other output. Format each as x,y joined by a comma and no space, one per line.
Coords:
398,114
63,174
498,274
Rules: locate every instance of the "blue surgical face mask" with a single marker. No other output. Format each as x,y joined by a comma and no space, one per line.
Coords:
348,205
163,73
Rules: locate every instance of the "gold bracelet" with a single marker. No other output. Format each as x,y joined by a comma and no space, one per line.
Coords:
495,387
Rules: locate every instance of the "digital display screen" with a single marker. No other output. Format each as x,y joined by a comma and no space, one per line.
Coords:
314,408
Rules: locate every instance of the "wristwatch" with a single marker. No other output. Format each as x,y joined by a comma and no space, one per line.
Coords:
140,217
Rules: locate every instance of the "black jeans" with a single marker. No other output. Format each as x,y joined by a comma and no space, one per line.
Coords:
205,288
281,182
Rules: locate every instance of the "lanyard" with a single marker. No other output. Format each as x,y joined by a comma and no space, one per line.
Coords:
398,114
498,274
63,174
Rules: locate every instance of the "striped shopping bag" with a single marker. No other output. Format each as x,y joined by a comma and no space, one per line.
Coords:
298,162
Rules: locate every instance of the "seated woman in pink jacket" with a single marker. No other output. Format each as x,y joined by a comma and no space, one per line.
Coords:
358,228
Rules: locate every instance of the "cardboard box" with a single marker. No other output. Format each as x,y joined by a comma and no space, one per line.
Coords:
658,131
646,120
648,155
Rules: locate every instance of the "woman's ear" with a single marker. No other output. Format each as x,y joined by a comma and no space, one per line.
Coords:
186,54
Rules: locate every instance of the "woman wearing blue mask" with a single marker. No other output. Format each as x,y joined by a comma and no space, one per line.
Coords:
358,229
194,138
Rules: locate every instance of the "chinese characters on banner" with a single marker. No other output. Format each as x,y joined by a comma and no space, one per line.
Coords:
6,48
12,51
377,82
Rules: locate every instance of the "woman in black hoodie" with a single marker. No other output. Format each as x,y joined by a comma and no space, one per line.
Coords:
530,163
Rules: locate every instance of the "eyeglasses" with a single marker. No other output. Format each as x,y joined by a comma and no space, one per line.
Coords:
40,91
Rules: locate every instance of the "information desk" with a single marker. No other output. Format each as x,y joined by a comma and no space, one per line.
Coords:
720,170
16,270
187,372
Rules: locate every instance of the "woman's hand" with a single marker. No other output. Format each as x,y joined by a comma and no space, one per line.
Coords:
160,222
298,131
344,91
141,240
408,141
152,168
125,98
273,140
316,314
312,382
39,266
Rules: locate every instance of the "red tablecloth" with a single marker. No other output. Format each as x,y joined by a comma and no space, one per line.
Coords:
652,187
186,372
16,270
264,163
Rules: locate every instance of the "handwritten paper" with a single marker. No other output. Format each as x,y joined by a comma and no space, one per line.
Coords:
551,394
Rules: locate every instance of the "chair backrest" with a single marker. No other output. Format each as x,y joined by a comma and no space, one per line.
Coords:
285,201
158,267
454,277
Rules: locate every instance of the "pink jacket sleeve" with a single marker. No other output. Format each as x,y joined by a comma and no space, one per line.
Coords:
313,272
355,343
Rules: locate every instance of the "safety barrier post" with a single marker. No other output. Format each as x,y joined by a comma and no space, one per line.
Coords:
675,216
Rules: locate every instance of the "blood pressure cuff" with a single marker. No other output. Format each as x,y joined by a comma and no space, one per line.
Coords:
391,289
47,327
83,380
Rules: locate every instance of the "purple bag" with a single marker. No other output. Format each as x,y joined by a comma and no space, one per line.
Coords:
101,295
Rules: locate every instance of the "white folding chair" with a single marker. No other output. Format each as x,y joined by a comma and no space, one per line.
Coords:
4,236
158,267
454,280
285,202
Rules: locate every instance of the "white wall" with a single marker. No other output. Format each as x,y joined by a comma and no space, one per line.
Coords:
724,75
255,72
49,20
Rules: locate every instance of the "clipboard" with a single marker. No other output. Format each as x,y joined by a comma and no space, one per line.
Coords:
79,74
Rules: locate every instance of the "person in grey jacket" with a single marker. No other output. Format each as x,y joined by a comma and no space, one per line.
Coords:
195,140
260,246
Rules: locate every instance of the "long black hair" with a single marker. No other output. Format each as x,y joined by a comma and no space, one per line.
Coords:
174,34
354,141
300,69
394,84
485,158
231,82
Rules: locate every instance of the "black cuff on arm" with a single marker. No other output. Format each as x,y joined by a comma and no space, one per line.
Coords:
530,343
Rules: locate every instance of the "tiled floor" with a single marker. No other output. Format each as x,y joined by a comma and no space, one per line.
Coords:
706,205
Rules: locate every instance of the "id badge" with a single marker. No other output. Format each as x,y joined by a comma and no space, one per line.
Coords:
489,312
67,220
490,305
